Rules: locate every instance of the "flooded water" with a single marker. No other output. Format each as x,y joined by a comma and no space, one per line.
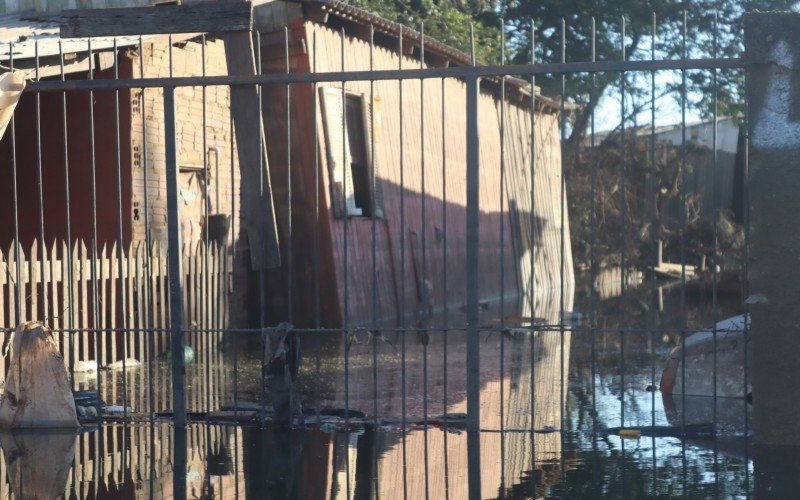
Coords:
582,385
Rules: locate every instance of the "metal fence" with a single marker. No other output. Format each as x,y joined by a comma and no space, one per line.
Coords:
421,232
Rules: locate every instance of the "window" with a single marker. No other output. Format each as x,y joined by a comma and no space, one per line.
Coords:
349,154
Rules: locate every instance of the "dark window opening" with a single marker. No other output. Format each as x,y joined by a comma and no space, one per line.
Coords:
359,157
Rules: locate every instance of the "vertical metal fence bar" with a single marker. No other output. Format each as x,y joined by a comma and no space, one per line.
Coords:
746,281
175,257
317,239
262,309
233,324
93,264
373,216
68,289
20,293
289,211
445,328
402,269
532,277
502,260
208,323
714,237
593,329
40,186
562,248
652,195
423,334
119,255
623,224
682,323
472,270
345,273
146,327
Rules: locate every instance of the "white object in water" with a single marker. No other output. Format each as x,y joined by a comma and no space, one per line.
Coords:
85,367
129,363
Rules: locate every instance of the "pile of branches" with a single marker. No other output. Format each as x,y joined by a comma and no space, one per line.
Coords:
615,216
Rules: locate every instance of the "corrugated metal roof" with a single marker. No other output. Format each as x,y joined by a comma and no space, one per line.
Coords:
454,55
25,29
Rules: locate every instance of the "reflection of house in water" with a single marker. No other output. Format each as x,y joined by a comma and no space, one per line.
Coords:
121,461
507,459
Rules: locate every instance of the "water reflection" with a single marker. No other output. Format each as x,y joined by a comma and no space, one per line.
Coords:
572,387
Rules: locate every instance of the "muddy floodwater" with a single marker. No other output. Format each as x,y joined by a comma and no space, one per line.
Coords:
583,384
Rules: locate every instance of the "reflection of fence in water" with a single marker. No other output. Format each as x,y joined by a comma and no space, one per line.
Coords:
58,285
134,460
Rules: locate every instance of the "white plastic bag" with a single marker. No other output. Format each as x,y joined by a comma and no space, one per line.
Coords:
11,87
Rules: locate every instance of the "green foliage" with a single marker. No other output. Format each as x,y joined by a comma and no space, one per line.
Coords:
449,21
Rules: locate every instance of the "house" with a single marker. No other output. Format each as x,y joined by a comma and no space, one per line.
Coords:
390,247
355,247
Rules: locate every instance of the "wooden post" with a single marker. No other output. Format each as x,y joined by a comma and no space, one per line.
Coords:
257,211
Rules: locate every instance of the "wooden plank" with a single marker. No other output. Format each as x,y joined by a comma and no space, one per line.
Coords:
83,285
132,340
33,273
65,307
55,305
3,271
115,282
163,300
12,284
101,323
257,209
214,16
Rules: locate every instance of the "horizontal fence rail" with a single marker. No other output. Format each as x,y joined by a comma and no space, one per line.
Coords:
399,74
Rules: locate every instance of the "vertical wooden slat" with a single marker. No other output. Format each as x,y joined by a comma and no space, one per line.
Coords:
33,274
82,337
115,281
5,284
213,314
75,307
99,322
11,296
164,295
54,275
129,291
65,309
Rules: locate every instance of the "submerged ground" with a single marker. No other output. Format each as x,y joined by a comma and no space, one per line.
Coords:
385,449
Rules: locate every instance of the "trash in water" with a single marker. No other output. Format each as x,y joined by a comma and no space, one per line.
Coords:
756,298
84,367
119,365
328,427
630,433
112,409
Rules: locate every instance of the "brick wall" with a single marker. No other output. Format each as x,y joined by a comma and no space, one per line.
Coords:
148,156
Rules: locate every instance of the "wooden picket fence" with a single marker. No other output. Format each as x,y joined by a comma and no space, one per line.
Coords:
58,285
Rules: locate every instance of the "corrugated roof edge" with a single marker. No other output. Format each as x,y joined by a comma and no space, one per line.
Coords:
391,28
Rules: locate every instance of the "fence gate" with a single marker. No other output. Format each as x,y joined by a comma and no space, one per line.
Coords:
462,287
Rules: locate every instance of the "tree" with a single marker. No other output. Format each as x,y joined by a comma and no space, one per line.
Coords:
702,20
449,21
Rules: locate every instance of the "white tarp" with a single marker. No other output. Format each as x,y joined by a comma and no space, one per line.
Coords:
37,390
11,86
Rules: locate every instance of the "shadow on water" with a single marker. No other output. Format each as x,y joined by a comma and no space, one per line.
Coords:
570,381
